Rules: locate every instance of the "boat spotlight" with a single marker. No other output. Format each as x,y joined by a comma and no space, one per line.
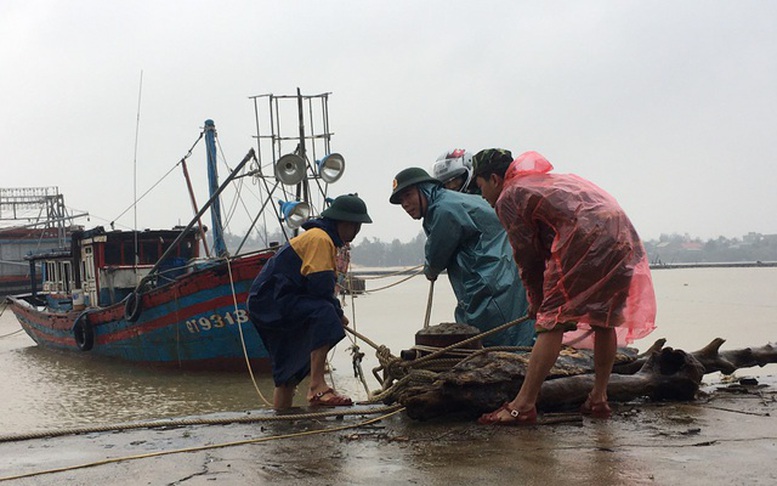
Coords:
331,167
290,169
294,212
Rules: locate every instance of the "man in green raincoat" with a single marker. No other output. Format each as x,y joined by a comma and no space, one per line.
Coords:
465,238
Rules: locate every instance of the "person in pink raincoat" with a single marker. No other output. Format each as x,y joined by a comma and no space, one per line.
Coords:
582,263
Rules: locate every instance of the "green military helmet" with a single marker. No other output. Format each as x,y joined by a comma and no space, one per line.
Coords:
409,177
488,160
348,207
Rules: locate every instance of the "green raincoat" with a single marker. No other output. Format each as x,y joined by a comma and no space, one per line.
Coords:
465,238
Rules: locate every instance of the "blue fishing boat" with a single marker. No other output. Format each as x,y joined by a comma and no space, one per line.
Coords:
151,297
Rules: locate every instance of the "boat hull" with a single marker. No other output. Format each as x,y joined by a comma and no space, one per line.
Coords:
196,322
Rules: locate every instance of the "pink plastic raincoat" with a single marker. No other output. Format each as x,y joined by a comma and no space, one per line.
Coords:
580,258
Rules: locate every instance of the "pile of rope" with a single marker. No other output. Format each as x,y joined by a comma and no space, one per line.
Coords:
396,374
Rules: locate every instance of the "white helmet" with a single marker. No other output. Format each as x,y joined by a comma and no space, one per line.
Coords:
452,164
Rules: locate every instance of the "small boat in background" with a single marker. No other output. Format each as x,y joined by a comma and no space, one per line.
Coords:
150,297
31,219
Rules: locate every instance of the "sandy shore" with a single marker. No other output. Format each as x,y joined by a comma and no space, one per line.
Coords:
728,436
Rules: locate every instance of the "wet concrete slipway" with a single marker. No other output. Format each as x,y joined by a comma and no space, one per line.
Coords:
727,436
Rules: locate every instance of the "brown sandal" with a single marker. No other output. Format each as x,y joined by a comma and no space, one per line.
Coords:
599,410
335,400
527,417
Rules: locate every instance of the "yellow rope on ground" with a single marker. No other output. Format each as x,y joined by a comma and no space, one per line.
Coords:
11,333
195,421
201,448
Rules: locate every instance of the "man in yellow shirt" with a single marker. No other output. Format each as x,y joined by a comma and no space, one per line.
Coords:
293,306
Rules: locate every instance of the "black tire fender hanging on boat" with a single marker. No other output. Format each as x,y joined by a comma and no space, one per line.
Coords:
132,307
83,332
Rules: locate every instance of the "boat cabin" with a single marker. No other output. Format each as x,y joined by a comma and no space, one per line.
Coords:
102,267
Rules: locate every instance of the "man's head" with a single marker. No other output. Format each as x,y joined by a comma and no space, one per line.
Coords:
489,167
454,169
406,192
350,211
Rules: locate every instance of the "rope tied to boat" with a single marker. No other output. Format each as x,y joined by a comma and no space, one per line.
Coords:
393,274
385,287
3,307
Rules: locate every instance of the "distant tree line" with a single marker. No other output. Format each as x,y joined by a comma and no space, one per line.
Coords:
676,248
667,249
375,253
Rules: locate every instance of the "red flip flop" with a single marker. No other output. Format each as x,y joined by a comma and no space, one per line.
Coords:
528,417
332,400
599,410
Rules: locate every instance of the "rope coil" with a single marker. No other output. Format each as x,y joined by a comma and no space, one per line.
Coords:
398,371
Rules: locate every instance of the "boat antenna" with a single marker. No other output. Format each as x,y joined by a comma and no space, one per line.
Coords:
135,174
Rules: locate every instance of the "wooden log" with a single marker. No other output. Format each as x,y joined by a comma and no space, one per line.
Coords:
729,361
710,356
668,374
482,383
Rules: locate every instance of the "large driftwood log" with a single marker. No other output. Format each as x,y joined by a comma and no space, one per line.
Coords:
711,358
668,374
483,382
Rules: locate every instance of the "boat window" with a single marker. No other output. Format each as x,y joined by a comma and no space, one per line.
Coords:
112,253
128,250
185,249
149,252
49,274
67,276
57,276
87,263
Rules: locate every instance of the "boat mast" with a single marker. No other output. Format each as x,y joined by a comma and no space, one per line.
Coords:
302,187
219,247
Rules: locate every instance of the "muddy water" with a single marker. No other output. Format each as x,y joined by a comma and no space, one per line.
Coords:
41,389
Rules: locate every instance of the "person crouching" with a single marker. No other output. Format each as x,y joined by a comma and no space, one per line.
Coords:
293,306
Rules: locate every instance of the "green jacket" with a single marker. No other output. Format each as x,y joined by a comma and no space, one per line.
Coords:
465,237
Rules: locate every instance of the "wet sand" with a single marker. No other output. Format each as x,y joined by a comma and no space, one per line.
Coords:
727,436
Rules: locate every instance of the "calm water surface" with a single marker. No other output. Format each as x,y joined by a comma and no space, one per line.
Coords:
42,389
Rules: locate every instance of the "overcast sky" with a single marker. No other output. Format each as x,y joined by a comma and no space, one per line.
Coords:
671,106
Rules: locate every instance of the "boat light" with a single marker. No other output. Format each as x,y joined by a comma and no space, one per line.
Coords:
290,169
294,212
331,167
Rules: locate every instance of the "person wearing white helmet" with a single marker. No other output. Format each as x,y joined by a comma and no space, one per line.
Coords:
454,169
